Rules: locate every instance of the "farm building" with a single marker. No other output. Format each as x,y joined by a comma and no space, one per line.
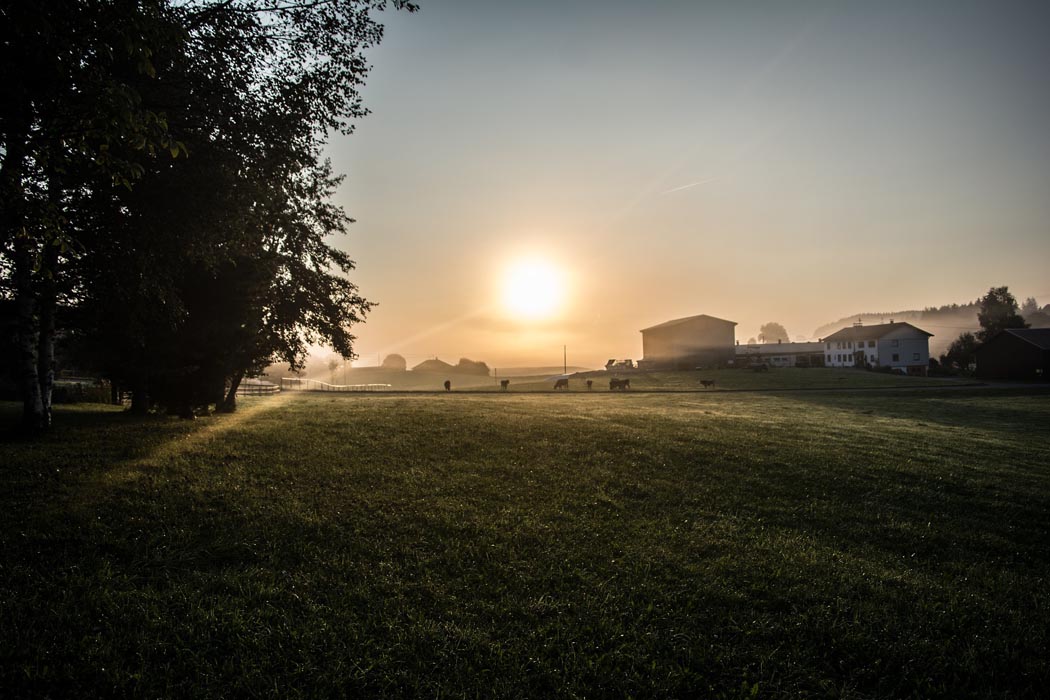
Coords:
900,346
686,343
781,354
1016,353
435,365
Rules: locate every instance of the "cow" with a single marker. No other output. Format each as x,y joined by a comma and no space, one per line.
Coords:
707,383
448,385
562,383
503,384
590,383
619,384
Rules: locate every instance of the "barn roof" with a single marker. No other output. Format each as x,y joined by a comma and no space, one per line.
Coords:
871,332
1040,337
434,365
679,321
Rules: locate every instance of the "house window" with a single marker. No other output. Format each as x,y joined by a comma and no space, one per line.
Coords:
829,347
829,356
896,357
872,358
896,343
871,343
915,356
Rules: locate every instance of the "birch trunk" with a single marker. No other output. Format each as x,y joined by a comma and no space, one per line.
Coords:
229,405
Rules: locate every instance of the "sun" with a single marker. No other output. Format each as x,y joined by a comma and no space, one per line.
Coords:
533,289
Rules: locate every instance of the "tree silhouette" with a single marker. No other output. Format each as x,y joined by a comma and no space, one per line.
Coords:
772,332
998,310
395,362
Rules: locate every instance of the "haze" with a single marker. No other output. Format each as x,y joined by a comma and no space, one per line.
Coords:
791,162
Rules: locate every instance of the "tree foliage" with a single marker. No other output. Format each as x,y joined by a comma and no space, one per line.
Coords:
162,179
998,310
772,332
395,362
962,353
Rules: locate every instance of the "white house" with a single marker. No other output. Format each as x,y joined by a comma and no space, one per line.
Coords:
900,346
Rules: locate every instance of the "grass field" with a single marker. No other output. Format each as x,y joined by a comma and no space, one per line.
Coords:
725,380
826,544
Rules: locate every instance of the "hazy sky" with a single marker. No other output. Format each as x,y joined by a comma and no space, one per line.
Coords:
756,161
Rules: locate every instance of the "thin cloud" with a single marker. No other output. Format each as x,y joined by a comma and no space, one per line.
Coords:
685,187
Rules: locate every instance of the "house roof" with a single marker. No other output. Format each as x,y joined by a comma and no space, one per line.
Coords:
434,365
871,332
679,321
1040,337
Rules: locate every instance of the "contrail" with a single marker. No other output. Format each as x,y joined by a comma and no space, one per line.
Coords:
685,187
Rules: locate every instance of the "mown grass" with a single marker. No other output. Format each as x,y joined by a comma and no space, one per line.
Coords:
885,544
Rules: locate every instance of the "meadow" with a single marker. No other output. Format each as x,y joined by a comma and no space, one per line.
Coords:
882,543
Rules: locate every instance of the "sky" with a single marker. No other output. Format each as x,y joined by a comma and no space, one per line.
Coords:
779,161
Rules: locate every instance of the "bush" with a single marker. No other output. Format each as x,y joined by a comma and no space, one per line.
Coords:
81,393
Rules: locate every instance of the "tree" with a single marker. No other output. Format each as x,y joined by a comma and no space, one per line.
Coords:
998,310
1030,306
395,362
962,352
772,332
195,271
72,109
466,366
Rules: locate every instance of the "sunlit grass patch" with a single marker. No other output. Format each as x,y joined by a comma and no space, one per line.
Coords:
885,544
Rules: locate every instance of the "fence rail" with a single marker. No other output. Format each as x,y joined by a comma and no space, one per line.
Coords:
296,384
257,389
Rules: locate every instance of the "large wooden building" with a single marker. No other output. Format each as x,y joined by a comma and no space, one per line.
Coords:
688,343
1016,353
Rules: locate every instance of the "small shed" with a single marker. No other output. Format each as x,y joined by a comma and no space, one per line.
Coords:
1016,353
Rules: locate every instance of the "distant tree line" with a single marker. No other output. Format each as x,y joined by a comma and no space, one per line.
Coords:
165,208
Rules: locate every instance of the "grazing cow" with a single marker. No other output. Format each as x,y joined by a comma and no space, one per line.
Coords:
448,385
562,383
590,383
708,383
619,384
504,383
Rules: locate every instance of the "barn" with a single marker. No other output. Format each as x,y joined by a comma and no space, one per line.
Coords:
687,343
1016,353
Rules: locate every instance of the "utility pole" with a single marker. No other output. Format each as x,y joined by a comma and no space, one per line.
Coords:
564,360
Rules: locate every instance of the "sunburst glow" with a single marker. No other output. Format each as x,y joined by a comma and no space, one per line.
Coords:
533,289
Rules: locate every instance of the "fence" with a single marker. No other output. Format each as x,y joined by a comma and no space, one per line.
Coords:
257,389
296,384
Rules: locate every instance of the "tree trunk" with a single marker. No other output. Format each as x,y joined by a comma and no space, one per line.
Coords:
33,417
139,397
229,405
13,233
47,301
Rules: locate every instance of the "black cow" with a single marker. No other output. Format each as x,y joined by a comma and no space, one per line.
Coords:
561,383
707,383
590,383
504,383
448,385
619,384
